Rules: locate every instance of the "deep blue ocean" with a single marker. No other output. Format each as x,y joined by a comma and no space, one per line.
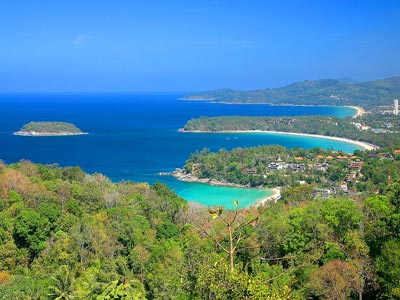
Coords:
135,136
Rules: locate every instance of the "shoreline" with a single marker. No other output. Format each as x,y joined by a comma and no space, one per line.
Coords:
363,145
34,133
275,196
180,175
359,111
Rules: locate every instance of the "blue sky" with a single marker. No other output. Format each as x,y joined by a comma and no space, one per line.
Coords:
123,46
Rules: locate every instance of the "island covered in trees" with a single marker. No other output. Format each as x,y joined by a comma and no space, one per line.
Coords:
312,92
49,129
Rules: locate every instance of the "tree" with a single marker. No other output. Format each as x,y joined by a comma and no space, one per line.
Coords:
31,231
357,253
298,194
377,216
388,267
220,282
164,277
129,290
138,257
393,193
238,227
61,287
336,280
341,215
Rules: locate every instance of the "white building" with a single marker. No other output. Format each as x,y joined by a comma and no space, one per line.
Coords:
396,106
275,166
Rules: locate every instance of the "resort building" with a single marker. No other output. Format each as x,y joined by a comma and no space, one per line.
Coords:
321,167
275,166
355,165
250,171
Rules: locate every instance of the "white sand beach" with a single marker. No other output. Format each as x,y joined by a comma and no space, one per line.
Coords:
359,111
363,145
274,197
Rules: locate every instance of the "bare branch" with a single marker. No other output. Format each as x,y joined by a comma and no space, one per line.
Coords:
215,241
288,270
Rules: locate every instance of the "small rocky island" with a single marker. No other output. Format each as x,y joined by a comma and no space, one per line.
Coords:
49,129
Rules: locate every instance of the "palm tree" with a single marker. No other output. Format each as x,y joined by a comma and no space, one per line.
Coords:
62,283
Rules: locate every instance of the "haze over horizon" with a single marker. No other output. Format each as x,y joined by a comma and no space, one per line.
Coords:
165,46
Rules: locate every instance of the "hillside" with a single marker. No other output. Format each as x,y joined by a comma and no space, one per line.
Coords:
313,92
66,234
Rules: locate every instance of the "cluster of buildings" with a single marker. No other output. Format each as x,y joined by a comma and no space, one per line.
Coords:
353,171
364,127
279,164
361,126
353,168
294,166
390,110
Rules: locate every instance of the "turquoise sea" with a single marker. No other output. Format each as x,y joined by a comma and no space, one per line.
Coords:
135,136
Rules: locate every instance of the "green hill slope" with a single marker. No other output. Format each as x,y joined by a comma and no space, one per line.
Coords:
313,92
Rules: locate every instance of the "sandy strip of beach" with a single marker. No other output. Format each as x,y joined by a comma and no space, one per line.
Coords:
363,145
275,196
359,111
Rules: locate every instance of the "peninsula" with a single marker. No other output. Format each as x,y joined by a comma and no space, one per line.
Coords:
369,131
49,129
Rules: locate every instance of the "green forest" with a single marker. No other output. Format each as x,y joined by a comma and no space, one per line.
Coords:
65,234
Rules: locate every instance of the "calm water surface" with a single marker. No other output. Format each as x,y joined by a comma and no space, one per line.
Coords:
135,136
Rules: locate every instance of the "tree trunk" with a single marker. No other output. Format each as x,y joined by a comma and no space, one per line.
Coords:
231,249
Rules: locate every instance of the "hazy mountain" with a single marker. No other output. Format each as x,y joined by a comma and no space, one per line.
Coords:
313,92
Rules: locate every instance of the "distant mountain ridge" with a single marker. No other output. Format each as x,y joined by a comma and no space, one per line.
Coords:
334,92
